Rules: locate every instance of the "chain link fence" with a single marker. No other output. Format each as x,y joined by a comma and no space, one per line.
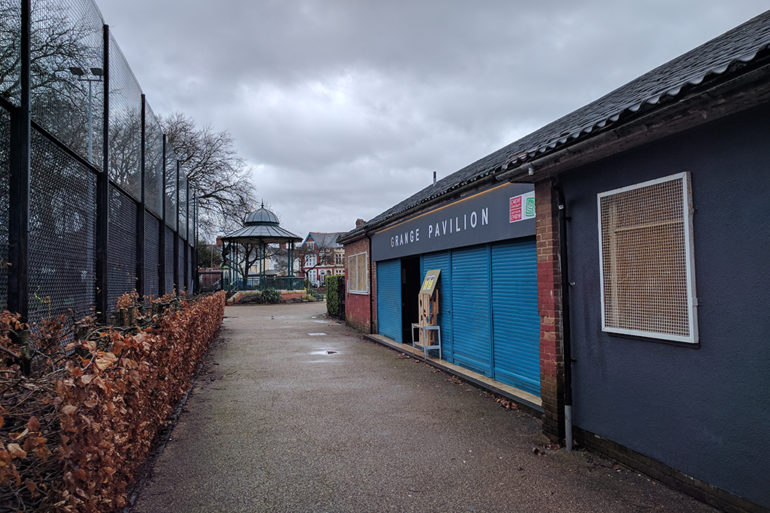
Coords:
84,238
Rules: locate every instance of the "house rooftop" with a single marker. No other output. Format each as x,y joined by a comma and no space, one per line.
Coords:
326,240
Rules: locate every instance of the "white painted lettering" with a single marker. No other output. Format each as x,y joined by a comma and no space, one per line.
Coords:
484,216
473,219
417,235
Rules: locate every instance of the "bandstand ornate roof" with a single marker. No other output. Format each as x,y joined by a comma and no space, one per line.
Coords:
261,225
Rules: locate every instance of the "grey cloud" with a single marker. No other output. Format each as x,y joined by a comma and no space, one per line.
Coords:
343,108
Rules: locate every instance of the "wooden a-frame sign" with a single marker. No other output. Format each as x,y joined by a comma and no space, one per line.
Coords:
430,282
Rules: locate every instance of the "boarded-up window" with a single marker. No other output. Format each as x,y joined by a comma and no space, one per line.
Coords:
646,260
357,277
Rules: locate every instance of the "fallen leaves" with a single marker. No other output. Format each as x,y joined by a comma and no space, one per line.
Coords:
506,403
16,451
104,360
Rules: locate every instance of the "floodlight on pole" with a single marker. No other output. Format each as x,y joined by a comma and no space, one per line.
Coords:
81,73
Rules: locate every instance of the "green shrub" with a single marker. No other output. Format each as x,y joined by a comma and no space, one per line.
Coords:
270,297
335,296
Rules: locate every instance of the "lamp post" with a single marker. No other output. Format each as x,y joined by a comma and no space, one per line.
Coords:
84,75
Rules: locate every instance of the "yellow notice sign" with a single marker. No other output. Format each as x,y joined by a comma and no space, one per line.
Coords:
430,282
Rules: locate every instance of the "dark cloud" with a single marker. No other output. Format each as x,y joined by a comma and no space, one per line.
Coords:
343,108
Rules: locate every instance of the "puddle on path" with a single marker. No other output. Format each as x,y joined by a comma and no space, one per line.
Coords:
324,352
319,334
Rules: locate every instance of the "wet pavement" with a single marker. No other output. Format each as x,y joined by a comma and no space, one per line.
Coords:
297,413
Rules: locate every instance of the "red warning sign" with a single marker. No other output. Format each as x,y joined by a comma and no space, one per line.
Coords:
515,209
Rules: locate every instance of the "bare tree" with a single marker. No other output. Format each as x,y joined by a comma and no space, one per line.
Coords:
217,173
209,255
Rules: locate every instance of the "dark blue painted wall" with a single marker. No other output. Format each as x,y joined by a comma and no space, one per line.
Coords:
704,410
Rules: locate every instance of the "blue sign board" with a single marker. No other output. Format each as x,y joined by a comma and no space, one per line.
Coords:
480,218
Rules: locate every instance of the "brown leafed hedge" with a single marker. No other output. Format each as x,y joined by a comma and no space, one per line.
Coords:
74,431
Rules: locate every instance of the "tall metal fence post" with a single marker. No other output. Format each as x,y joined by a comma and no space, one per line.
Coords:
102,191
162,236
19,183
196,279
186,238
176,233
140,211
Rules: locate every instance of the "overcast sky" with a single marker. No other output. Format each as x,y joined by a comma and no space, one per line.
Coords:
344,108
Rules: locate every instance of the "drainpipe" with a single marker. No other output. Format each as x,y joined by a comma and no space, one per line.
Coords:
369,277
565,307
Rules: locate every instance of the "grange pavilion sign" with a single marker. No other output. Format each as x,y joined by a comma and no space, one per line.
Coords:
480,218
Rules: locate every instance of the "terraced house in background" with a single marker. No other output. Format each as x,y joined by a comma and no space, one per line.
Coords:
321,256
630,309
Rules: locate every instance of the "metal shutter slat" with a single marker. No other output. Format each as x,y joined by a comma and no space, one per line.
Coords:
516,321
389,299
471,309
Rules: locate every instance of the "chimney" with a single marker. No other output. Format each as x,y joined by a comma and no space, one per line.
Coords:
434,178
359,222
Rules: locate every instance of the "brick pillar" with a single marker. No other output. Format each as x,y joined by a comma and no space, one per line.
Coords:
373,291
549,309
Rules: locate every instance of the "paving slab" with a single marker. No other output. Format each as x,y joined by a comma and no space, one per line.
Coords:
294,412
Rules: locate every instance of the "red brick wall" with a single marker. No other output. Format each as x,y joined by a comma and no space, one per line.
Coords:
357,305
549,308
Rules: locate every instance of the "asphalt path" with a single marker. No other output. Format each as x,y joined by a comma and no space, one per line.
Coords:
294,412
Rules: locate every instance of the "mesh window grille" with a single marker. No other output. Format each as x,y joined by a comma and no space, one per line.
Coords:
62,224
121,247
170,188
357,281
67,91
151,248
645,264
153,166
5,130
125,124
169,260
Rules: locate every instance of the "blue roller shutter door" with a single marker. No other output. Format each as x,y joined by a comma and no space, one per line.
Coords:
516,322
389,299
443,262
471,328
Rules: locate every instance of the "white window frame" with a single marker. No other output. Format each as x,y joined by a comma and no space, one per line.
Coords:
352,278
692,302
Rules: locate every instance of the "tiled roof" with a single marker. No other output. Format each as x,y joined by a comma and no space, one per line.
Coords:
717,59
325,240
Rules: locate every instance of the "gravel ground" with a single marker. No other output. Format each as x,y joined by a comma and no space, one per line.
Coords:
297,413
